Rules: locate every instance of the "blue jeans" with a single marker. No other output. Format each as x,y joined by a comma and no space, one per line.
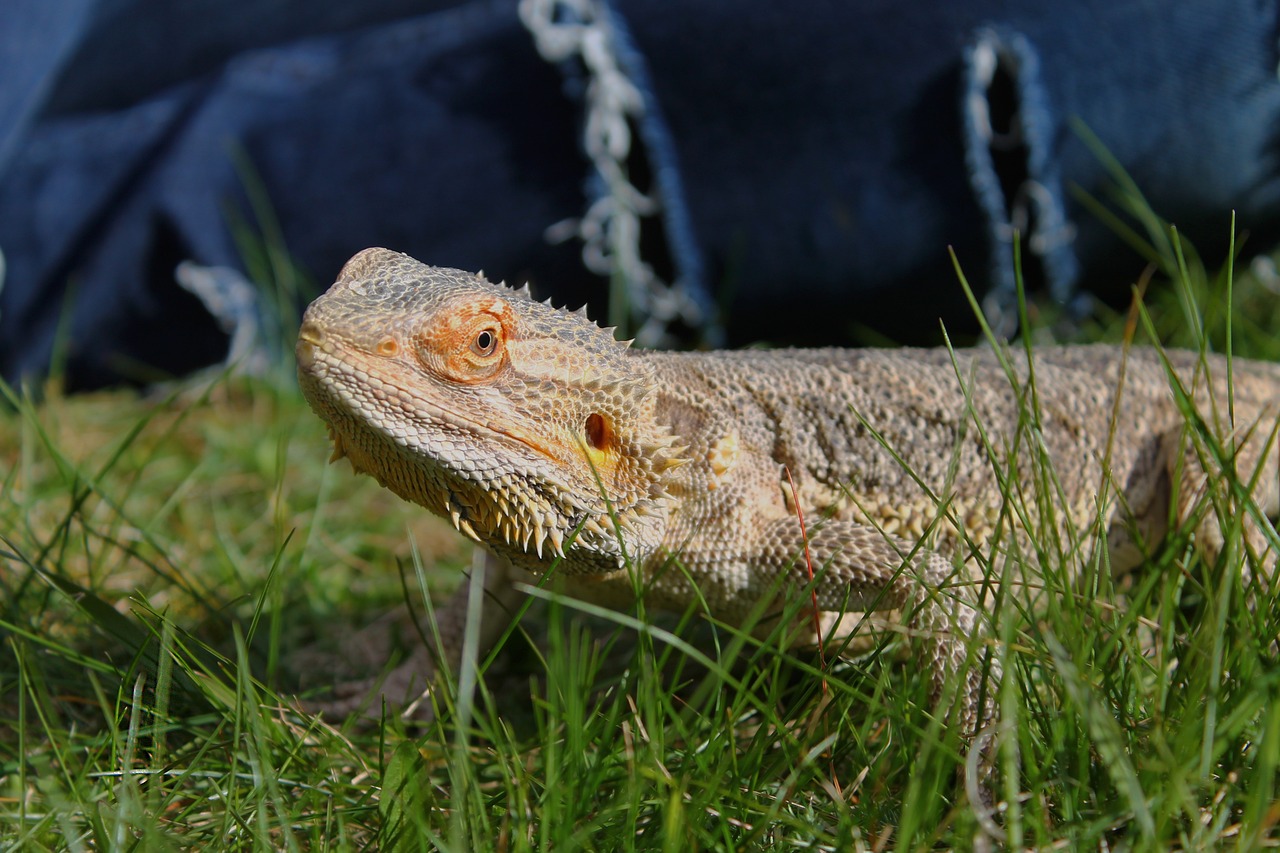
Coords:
811,169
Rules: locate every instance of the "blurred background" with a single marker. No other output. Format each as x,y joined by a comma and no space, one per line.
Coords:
708,173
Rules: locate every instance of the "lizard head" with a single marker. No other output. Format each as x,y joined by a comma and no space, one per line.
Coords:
514,419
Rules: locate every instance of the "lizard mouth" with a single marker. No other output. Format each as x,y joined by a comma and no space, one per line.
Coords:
333,374
333,381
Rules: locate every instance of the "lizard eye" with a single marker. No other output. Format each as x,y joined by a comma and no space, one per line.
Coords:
467,343
484,343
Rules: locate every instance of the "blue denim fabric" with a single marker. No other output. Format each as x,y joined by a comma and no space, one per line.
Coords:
813,167
1030,202
830,157
418,134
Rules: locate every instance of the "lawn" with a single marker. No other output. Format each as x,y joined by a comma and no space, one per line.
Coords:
170,563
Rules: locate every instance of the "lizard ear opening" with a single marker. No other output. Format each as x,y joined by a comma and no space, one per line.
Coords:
597,431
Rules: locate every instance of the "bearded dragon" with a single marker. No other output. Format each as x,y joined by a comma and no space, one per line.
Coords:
680,475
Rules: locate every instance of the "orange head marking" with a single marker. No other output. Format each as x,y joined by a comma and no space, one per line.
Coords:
468,344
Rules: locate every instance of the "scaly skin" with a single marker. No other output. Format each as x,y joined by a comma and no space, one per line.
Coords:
523,423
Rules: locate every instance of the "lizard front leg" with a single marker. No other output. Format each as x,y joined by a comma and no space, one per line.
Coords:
859,568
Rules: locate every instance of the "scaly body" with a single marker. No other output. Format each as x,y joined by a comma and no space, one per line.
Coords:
544,439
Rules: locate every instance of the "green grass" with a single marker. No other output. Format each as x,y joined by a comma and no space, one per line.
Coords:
164,560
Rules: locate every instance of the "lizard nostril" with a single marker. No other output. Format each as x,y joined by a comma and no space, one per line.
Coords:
310,333
310,339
